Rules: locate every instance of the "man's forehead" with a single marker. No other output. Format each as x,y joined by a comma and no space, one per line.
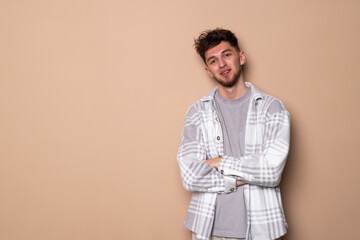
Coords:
218,49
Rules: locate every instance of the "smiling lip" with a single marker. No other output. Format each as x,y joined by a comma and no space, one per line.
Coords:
225,72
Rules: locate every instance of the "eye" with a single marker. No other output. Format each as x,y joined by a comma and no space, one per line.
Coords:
227,54
212,61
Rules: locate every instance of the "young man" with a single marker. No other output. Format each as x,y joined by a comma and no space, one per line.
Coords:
233,150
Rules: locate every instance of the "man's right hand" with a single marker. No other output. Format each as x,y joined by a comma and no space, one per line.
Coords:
239,183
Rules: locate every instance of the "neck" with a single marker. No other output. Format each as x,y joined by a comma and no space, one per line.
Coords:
234,92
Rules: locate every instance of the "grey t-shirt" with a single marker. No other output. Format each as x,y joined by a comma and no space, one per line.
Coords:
230,212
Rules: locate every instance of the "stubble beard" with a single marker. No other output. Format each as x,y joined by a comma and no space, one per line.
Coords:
231,83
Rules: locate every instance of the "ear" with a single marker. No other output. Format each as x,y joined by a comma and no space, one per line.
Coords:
242,58
209,72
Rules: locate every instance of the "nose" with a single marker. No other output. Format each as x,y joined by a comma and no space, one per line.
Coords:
222,63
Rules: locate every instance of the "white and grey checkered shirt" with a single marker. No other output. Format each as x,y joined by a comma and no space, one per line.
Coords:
267,140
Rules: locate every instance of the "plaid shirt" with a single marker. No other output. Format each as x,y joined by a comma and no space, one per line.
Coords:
267,140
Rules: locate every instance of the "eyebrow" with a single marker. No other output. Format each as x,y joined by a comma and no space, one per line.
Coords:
226,50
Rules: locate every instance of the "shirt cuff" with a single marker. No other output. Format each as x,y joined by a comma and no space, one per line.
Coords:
226,161
230,184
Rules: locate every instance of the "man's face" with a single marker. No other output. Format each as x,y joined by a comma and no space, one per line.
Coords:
223,63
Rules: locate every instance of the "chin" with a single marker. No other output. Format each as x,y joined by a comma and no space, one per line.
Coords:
227,84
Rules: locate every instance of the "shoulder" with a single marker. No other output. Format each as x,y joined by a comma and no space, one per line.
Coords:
265,102
272,104
204,104
196,108
193,110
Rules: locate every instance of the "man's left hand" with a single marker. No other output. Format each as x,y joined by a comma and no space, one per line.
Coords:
214,162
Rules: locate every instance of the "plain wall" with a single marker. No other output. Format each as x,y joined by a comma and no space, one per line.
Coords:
93,96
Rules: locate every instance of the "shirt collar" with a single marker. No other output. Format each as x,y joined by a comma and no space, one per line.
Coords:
255,93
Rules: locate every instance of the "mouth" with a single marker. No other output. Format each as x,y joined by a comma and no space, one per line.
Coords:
225,73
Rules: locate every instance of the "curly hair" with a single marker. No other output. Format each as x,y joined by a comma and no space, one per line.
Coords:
211,38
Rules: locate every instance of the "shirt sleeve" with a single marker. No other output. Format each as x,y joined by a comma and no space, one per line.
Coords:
195,174
264,168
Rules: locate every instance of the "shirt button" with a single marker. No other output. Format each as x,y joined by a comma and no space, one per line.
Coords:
222,171
232,189
218,138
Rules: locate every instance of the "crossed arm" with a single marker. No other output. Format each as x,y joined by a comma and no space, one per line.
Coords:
214,162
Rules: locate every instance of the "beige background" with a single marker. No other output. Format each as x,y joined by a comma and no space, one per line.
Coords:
93,96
